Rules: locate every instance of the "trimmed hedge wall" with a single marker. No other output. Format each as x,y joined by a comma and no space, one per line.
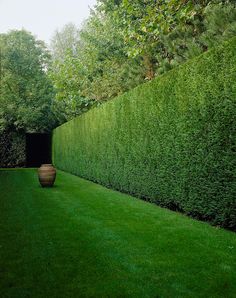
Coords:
171,141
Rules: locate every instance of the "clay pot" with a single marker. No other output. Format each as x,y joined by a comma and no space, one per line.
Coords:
47,175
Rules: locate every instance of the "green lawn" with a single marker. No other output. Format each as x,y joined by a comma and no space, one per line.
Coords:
80,239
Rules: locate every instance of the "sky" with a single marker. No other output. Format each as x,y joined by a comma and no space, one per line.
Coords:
42,17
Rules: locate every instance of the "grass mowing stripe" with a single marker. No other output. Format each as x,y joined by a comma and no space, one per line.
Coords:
80,239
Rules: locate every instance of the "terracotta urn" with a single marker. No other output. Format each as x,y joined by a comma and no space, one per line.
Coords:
47,175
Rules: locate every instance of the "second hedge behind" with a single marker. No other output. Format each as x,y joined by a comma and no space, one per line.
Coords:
172,141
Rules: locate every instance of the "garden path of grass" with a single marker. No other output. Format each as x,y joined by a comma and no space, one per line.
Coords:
80,239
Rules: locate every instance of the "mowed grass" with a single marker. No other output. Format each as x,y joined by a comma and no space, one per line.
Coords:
80,239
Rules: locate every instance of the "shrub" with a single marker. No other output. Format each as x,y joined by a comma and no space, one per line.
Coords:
12,149
171,140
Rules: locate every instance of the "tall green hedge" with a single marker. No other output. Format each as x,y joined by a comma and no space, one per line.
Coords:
171,141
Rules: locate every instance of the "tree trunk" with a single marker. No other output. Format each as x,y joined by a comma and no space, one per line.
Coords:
149,67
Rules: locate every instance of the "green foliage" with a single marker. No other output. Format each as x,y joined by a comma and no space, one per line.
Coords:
68,100
123,43
64,40
106,70
147,26
66,76
144,22
12,145
94,67
171,141
26,93
208,28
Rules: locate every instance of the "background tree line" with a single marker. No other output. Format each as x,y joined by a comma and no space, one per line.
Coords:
26,93
121,45
124,43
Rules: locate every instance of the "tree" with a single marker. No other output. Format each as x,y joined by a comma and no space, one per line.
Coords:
143,24
123,43
166,33
96,69
103,58
26,92
64,74
63,41
210,26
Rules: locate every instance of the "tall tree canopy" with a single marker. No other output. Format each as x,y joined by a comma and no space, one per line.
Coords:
124,43
164,32
64,41
26,94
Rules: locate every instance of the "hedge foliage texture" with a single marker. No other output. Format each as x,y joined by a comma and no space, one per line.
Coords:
12,149
171,141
